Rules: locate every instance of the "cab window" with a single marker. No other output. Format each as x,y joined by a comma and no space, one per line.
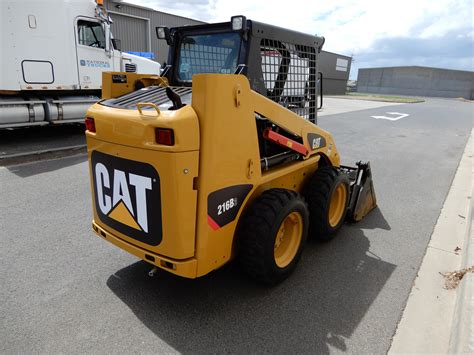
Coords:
90,34
213,53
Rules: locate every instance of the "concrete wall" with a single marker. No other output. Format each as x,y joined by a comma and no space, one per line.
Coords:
335,68
417,81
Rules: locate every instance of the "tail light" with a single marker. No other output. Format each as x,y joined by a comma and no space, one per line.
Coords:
90,124
164,136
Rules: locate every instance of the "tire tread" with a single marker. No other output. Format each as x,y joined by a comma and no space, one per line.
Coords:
318,194
256,229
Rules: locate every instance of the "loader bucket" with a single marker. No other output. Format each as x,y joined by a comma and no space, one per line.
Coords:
362,194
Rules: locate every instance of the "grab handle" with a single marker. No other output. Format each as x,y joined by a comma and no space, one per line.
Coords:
140,105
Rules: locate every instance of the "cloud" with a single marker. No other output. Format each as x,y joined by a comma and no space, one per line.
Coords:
453,50
405,32
195,9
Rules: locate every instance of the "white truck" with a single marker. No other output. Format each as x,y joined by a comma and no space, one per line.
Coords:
53,53
295,89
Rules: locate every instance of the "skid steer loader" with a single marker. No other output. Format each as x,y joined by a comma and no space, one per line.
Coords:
220,157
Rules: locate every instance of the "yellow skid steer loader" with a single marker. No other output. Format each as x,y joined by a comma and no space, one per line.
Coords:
220,157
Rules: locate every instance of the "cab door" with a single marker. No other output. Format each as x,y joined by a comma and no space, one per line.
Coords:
93,53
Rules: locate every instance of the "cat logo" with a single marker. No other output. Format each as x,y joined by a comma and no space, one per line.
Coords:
127,197
316,141
123,209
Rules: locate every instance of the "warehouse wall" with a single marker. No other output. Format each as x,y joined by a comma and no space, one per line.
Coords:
417,81
135,27
335,68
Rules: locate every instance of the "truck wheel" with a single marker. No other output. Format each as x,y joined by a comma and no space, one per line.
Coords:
327,195
272,235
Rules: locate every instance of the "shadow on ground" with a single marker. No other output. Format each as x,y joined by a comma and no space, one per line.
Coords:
319,306
24,140
40,167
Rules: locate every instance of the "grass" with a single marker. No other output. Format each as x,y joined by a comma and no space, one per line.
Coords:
385,98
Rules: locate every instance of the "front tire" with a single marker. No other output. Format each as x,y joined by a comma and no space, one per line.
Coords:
272,235
327,195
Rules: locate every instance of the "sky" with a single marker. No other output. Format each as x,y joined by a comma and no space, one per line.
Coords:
434,33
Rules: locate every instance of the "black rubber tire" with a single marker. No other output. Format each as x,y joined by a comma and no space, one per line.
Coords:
318,196
258,230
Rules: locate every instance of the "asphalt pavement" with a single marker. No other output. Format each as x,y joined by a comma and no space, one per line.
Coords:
65,290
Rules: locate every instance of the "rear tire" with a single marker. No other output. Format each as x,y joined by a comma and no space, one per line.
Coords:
272,235
327,195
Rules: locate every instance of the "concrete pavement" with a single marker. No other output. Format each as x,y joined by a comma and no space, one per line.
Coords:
333,106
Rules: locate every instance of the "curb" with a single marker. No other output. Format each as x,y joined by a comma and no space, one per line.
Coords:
462,334
20,158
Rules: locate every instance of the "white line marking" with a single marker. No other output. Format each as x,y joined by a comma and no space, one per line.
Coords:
398,116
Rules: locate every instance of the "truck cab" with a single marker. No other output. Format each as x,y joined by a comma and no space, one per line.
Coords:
54,53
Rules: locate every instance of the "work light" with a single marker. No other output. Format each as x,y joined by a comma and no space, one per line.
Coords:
239,23
162,32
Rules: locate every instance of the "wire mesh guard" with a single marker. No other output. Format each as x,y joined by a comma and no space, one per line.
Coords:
289,75
288,70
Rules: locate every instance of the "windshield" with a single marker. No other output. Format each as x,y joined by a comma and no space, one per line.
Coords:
214,53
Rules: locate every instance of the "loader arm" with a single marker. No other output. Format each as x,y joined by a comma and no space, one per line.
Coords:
315,139
362,193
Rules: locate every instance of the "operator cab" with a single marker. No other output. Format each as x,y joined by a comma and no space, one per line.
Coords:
280,64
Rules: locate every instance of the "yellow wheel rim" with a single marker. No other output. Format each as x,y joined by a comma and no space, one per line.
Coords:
288,239
337,205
